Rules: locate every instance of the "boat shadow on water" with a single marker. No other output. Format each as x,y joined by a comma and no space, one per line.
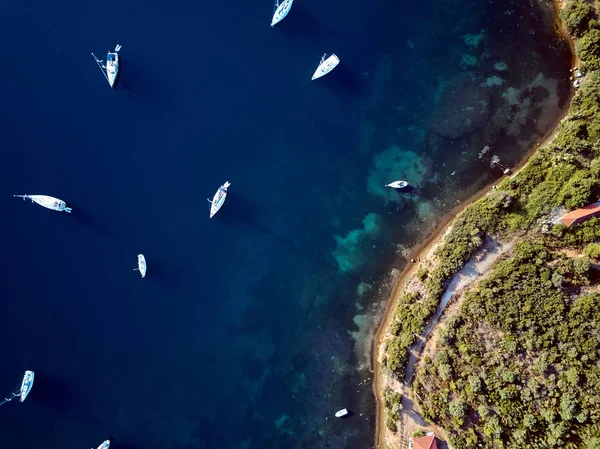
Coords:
53,393
136,82
344,80
300,23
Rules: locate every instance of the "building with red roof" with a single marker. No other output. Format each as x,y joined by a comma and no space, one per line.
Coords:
580,215
427,442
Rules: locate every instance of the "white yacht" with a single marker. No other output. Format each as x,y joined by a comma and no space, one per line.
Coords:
105,445
281,10
326,66
397,184
218,199
26,385
22,391
49,202
111,69
141,265
341,413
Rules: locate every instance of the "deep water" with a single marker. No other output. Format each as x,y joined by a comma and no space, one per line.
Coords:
250,329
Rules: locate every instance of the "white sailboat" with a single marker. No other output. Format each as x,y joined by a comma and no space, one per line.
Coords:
397,184
326,66
49,202
111,69
141,265
105,445
281,10
22,391
26,385
218,199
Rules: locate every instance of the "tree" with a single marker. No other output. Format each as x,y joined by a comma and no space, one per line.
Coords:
588,49
577,16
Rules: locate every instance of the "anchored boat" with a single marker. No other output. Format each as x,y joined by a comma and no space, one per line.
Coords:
326,66
141,265
26,385
105,445
341,413
22,391
218,199
281,10
49,202
111,69
397,184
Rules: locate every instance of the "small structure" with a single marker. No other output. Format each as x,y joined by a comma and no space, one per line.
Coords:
426,442
495,162
578,216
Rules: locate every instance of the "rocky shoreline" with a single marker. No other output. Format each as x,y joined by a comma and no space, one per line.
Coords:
408,282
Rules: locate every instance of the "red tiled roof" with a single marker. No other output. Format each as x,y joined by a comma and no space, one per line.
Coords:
424,443
580,215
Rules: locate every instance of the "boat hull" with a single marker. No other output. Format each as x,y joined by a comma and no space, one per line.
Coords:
281,12
26,385
105,444
341,413
112,68
49,202
219,199
326,66
397,184
142,265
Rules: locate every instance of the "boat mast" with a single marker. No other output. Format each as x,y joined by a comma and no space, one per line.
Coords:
101,67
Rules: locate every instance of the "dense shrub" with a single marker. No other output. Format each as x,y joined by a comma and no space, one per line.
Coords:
587,48
592,251
524,359
577,16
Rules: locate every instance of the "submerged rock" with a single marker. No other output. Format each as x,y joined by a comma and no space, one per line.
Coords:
464,106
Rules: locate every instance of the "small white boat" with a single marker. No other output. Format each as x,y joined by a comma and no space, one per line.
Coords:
141,265
218,199
397,184
281,10
326,66
341,413
26,385
111,69
105,445
49,202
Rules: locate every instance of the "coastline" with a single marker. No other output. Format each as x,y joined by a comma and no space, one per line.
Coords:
431,240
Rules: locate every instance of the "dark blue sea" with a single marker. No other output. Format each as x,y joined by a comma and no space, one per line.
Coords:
251,329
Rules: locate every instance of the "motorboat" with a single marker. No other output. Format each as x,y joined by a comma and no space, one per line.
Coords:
105,445
49,202
218,199
341,413
23,390
141,265
397,184
111,69
326,66
281,11
26,385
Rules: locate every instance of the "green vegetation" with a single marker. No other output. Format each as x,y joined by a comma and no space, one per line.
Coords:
519,367
393,405
577,16
580,20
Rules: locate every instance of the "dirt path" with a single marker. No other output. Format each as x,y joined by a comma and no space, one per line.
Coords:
477,266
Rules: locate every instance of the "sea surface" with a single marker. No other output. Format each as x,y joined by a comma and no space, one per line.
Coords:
251,329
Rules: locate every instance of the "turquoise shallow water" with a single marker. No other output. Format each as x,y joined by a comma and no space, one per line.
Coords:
250,329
